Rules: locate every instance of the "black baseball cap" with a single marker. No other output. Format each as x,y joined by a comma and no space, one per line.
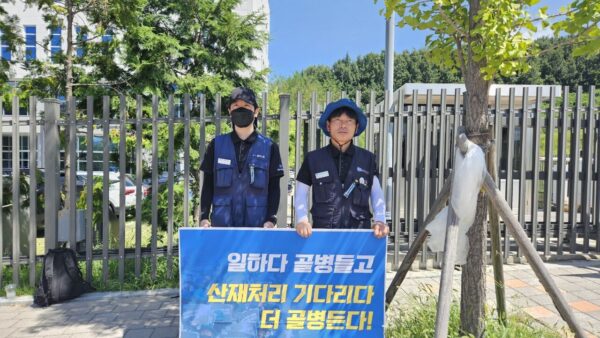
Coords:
244,94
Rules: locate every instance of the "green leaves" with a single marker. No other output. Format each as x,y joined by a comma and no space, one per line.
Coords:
497,38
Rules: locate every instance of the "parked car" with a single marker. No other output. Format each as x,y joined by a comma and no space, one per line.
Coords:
114,180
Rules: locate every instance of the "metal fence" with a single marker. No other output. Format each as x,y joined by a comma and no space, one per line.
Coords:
412,134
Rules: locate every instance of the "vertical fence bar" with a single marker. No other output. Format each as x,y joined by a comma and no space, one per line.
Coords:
383,144
298,149
457,111
523,161
51,196
398,178
407,173
562,167
420,174
587,172
509,165
312,125
574,170
32,188
412,169
122,171
202,146
186,160
441,145
218,115
105,186
549,179
16,192
358,100
371,123
597,160
154,185
170,182
499,124
265,112
138,184
284,144
2,199
89,185
427,131
72,129
536,167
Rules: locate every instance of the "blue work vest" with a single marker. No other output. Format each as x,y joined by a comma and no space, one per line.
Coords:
240,197
331,209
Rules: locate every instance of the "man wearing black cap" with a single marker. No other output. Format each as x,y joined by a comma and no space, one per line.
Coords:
343,178
241,171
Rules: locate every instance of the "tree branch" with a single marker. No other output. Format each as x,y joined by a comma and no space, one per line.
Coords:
553,16
461,56
450,21
568,42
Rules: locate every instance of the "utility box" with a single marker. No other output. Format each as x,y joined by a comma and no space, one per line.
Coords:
63,225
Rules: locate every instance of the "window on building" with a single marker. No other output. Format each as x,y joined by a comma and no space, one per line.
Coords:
107,36
97,159
81,37
30,43
55,43
5,49
7,151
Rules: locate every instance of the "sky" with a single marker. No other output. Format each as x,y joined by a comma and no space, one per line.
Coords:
320,32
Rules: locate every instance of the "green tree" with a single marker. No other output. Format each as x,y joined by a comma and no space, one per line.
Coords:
10,37
192,46
154,47
56,76
485,39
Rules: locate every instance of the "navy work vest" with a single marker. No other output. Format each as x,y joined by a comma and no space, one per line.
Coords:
331,209
240,197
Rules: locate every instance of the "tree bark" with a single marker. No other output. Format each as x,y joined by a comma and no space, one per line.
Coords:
472,306
68,95
473,274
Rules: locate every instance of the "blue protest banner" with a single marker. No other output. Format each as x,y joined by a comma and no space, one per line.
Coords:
273,283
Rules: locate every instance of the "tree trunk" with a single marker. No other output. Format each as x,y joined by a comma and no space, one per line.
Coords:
68,95
472,307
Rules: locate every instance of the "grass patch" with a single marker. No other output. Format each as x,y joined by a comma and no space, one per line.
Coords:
419,321
130,281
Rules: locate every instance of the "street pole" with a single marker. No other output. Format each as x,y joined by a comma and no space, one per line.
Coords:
390,24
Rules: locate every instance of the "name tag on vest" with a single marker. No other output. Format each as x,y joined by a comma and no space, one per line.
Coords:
322,174
224,161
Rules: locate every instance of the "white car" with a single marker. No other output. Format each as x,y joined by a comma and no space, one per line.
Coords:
114,190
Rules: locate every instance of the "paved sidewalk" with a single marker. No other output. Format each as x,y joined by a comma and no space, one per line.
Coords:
155,313
579,281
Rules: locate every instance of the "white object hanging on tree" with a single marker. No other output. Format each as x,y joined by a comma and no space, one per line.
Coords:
469,171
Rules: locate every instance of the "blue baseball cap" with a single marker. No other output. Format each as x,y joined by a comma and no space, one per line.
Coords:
343,103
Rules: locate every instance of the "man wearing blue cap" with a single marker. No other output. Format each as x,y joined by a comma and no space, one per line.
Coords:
241,171
343,178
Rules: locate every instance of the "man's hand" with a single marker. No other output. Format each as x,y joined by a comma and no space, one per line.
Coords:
304,229
380,229
205,223
268,225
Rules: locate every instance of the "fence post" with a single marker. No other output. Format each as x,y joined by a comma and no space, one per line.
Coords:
51,168
16,203
284,145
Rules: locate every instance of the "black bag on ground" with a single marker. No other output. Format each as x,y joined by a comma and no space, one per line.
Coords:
61,278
